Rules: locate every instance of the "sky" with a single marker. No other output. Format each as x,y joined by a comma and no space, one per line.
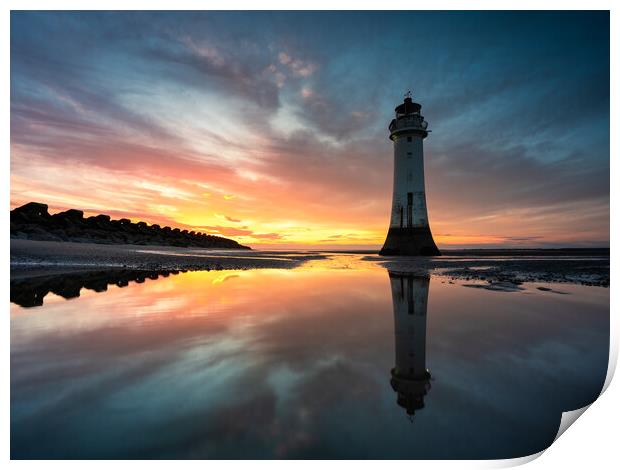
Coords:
271,127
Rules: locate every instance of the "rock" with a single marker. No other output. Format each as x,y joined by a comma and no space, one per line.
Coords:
33,221
71,214
33,212
32,209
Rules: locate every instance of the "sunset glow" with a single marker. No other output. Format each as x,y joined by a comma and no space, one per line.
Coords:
276,135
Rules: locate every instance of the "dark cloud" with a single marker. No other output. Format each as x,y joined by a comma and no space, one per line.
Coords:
512,179
521,239
336,116
517,125
242,76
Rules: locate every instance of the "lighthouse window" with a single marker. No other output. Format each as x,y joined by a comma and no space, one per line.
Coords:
409,139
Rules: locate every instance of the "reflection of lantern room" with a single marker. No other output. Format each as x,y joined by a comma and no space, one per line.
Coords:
410,378
409,233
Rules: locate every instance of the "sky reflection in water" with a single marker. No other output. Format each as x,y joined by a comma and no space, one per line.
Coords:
298,364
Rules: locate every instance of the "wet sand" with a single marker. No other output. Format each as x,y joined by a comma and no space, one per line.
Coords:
506,269
31,257
500,269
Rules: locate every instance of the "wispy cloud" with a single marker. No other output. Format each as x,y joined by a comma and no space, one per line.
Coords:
170,117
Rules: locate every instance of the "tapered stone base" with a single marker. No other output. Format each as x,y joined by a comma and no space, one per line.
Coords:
414,241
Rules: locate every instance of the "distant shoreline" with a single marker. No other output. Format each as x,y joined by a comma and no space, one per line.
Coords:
599,251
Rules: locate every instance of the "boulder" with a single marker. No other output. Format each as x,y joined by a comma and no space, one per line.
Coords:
33,212
33,209
71,214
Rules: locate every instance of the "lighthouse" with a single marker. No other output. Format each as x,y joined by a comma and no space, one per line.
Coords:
410,377
409,233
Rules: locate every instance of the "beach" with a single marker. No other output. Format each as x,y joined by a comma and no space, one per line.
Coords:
33,257
30,258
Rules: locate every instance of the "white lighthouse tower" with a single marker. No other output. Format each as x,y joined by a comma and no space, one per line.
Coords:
409,233
410,377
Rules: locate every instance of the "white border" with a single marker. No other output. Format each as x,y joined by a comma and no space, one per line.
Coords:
590,444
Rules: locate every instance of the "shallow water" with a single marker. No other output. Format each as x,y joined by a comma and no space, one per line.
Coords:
328,360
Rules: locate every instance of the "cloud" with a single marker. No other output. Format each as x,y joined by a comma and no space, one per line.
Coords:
284,58
185,104
514,178
521,239
238,72
226,231
236,232
297,66
267,236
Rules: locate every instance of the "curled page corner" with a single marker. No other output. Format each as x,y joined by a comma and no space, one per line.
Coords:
611,367
516,462
568,418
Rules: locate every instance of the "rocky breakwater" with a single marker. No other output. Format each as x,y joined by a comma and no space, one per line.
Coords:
33,221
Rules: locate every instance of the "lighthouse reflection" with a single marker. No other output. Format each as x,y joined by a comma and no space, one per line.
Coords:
410,378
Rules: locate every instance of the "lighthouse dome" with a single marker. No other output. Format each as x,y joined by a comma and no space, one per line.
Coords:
407,107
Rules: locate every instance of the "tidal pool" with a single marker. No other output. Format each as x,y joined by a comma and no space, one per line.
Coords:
330,360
